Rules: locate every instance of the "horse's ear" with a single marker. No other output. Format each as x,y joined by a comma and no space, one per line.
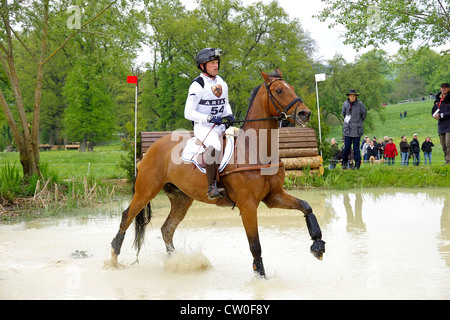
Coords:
279,72
264,75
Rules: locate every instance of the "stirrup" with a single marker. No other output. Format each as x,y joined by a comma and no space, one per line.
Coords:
214,192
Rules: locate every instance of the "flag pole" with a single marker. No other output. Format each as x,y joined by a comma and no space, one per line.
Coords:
135,130
134,79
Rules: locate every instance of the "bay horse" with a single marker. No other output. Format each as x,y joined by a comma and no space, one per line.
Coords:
246,186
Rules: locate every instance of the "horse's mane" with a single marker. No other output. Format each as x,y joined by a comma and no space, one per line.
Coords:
256,90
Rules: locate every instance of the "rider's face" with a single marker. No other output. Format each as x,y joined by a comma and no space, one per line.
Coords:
212,67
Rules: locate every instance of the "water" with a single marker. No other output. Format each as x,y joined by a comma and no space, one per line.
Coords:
380,244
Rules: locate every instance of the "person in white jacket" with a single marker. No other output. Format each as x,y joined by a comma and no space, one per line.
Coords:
207,105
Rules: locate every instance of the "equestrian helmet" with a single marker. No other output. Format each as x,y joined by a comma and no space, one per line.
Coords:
208,54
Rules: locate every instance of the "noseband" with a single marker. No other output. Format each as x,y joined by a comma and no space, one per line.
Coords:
282,115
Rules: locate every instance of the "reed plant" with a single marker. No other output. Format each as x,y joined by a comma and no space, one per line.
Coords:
10,180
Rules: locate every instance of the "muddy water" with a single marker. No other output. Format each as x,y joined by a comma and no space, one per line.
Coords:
380,244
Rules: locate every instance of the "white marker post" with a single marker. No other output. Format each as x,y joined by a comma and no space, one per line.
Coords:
319,77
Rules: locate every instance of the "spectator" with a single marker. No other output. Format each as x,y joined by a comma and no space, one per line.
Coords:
385,142
415,149
426,148
364,141
380,148
404,150
364,147
391,152
441,112
335,154
354,113
372,150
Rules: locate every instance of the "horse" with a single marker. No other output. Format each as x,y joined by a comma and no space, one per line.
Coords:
245,183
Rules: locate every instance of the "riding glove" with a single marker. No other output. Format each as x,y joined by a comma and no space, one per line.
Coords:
215,119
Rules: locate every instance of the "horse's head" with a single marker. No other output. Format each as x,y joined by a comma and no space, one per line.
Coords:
284,100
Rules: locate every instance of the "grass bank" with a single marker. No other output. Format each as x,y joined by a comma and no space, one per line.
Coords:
418,121
374,176
102,163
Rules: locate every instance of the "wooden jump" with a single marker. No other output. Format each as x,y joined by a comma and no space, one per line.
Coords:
298,148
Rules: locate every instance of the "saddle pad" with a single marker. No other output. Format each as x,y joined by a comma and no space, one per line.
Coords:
191,151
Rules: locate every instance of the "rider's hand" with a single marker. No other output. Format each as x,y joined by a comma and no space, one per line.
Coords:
215,119
229,119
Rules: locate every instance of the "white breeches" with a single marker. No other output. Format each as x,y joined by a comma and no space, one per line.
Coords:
209,137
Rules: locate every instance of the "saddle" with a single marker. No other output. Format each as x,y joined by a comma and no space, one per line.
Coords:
193,151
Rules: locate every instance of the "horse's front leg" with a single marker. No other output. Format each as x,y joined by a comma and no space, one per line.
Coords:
249,219
285,201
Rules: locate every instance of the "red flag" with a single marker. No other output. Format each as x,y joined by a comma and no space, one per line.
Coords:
132,79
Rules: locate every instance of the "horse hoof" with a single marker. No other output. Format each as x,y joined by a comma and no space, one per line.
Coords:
258,268
113,265
318,249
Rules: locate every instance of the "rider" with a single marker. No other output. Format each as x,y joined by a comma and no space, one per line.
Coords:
207,105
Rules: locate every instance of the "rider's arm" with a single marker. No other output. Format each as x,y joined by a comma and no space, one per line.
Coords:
190,110
227,111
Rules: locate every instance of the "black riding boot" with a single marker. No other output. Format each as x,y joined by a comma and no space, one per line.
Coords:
211,175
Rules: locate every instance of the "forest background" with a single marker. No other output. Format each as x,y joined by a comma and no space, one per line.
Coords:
65,63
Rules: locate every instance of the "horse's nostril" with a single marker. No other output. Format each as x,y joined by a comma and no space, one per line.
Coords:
305,114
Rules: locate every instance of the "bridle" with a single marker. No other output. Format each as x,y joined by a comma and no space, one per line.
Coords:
281,114
282,111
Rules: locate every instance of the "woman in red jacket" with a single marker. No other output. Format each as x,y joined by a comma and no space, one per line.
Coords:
390,152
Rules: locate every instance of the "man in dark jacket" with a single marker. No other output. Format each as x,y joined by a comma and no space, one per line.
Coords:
441,112
415,150
354,113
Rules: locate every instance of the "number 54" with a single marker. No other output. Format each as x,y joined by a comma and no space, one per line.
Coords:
216,110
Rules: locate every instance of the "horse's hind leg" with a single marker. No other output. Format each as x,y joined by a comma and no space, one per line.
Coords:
180,204
141,198
284,200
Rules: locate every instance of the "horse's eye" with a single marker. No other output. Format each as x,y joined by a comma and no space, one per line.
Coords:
279,91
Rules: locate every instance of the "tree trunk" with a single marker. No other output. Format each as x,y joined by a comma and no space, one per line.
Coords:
27,135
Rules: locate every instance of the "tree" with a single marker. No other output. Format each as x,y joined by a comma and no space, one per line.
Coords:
252,37
364,75
418,72
89,116
380,21
34,17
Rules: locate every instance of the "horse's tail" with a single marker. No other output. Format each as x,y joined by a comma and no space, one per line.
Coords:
140,223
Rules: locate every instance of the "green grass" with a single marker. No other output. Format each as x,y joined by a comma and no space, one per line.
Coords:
418,121
375,176
102,163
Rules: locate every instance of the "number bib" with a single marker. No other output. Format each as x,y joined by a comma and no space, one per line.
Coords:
213,97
